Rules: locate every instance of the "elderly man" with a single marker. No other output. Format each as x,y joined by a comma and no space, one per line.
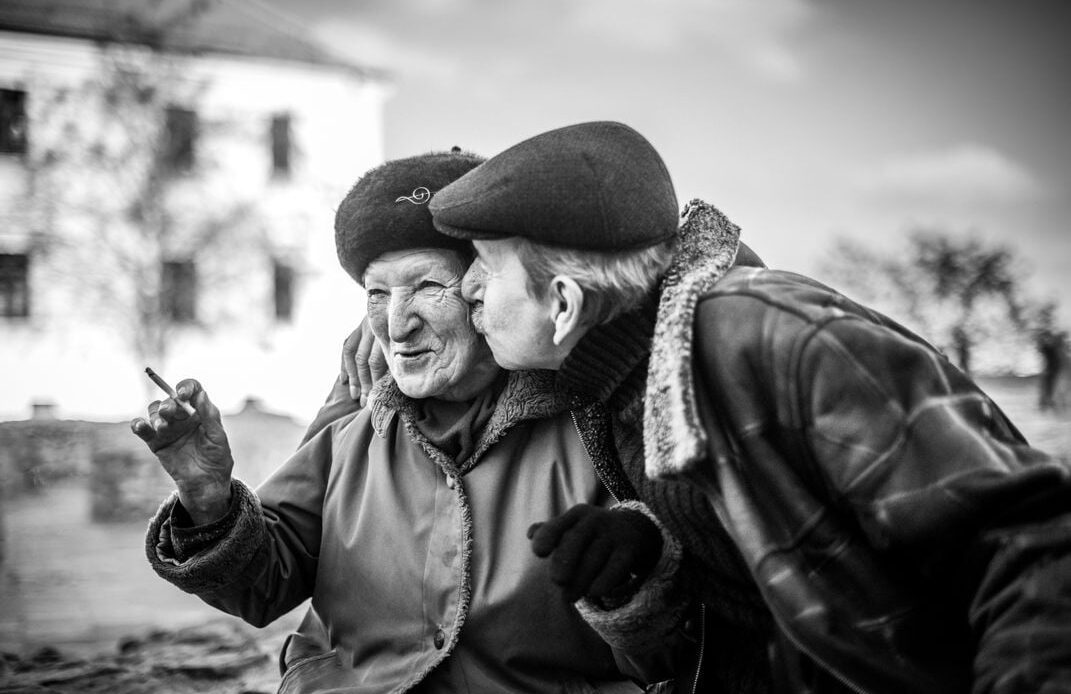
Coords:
900,531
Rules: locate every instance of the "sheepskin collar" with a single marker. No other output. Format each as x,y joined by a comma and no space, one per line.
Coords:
527,395
673,437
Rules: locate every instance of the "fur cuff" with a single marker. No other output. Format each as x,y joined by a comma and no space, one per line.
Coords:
217,567
653,611
673,438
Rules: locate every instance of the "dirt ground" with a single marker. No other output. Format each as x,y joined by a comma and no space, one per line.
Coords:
219,657
80,611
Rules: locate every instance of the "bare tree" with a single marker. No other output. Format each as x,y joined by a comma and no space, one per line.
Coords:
119,191
956,290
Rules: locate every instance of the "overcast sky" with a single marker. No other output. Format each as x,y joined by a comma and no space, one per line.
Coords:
801,119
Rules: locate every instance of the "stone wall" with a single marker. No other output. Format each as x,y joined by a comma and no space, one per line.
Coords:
34,453
124,478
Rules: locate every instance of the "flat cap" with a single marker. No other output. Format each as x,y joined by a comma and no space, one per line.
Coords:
387,209
592,186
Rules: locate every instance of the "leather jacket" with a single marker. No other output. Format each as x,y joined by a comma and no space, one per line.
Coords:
902,532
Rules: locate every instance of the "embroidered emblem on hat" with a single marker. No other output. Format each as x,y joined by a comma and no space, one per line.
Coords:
419,196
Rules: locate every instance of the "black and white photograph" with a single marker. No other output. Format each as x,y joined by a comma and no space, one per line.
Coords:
524,347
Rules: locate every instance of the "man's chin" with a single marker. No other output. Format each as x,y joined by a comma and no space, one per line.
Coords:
504,358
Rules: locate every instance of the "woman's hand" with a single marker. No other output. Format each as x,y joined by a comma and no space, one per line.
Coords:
363,362
193,449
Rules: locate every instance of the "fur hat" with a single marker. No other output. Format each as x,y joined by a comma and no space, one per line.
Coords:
387,209
594,186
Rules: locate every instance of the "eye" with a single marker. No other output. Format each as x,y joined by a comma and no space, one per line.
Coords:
375,294
430,284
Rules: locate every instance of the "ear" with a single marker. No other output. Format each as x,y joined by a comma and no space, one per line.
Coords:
567,310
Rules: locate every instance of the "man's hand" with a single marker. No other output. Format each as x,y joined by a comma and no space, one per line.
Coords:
596,551
363,362
192,449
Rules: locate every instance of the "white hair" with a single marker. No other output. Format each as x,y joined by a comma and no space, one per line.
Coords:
614,282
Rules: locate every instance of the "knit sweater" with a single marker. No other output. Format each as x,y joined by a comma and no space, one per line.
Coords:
609,366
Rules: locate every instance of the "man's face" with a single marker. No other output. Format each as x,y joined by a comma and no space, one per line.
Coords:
422,324
518,327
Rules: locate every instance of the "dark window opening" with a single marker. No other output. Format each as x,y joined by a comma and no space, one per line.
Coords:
12,121
14,285
280,145
178,291
180,138
284,291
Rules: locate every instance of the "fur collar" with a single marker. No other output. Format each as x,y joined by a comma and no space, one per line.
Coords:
673,437
528,395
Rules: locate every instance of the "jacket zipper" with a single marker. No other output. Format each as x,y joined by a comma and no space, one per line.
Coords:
594,467
702,646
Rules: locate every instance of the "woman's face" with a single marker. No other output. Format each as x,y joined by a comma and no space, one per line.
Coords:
421,323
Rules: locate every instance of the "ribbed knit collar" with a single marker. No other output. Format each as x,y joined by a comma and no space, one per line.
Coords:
609,364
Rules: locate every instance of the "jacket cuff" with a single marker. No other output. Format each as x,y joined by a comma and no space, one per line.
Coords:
188,539
208,558
653,611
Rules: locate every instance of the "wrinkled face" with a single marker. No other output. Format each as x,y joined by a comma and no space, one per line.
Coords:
518,327
421,322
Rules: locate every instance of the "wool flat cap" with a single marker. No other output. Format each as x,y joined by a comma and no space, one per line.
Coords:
592,186
387,209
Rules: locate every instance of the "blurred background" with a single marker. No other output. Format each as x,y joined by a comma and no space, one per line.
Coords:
169,171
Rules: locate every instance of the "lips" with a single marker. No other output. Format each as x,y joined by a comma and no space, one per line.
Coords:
410,353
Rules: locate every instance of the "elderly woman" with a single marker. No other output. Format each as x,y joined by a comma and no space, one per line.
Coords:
405,522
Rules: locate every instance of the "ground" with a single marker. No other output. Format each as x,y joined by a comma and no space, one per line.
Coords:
218,657
80,611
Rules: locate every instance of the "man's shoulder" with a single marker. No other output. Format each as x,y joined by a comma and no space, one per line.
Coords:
759,290
781,307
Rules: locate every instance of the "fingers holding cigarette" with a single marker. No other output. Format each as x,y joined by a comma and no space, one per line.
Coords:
163,424
188,396
183,402
189,391
168,420
185,432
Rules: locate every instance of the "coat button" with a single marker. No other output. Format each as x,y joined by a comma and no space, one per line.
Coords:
440,638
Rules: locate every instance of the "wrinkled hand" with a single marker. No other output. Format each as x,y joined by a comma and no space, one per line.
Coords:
363,362
193,450
595,551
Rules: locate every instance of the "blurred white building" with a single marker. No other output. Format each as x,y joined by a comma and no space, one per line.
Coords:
259,133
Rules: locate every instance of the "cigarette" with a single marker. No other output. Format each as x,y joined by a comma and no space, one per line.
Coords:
170,391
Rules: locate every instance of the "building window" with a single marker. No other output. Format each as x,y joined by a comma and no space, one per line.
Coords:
180,138
14,285
12,121
280,145
178,291
284,291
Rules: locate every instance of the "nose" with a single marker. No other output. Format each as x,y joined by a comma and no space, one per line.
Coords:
472,283
402,320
